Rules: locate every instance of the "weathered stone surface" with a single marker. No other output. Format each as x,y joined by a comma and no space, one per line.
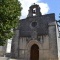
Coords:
2,51
3,58
39,30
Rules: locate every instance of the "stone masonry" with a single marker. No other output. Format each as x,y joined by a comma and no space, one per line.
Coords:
38,31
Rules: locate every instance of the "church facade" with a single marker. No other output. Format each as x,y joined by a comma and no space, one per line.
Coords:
35,38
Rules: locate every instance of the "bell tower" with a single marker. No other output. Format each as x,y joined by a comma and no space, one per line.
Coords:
34,10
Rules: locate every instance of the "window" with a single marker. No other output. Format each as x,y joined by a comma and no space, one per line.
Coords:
34,24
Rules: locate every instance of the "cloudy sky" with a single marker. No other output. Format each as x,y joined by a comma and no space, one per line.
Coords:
26,4
47,6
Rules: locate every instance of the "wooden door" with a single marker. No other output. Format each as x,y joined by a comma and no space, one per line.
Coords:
34,53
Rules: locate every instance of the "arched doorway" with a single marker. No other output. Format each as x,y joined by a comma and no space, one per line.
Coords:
34,53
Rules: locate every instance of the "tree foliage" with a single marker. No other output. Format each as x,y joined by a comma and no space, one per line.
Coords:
10,11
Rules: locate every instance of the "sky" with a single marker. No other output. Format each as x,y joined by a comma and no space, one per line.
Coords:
53,7
47,7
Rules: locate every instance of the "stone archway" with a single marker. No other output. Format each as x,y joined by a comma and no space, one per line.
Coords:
34,52
29,46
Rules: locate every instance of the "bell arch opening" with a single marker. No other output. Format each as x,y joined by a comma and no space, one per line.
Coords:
34,52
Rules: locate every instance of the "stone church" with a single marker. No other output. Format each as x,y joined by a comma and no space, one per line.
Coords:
35,38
